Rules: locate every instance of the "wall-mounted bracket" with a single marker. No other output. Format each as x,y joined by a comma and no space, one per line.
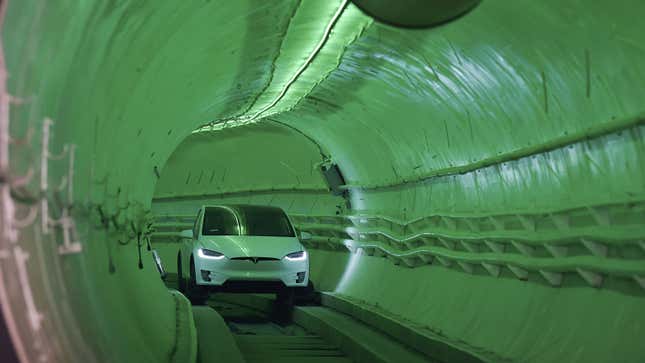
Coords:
596,248
496,247
395,260
449,222
469,246
21,181
523,248
426,258
28,220
600,215
527,222
409,244
448,244
411,261
499,224
594,279
521,273
493,270
474,226
557,250
467,267
640,280
554,278
444,261
35,317
561,221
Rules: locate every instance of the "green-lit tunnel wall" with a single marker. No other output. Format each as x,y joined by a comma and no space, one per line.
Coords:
494,167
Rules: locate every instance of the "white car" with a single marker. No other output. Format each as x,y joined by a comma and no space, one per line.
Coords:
241,248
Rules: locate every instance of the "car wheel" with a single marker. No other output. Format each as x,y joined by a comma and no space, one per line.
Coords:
181,282
196,294
285,296
283,307
307,295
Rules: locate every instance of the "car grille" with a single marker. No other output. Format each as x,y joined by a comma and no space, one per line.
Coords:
255,259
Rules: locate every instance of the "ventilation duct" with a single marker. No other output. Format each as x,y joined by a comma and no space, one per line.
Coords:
415,13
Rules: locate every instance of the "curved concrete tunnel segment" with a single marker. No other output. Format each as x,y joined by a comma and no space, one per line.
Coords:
495,165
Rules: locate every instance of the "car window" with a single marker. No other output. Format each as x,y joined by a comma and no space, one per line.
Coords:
199,213
266,221
219,221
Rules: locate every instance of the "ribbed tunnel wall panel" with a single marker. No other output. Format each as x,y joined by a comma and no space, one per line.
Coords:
521,118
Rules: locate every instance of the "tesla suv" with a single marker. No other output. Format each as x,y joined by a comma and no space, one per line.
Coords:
241,248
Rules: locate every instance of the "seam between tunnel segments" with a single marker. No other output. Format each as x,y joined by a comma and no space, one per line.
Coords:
309,60
325,76
321,43
323,154
273,66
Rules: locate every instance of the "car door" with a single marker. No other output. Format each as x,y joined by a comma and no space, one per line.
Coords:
188,244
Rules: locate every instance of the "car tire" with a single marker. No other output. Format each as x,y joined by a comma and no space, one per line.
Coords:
181,282
285,296
307,295
195,293
283,307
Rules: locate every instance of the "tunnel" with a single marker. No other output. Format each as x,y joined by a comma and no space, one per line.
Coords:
471,173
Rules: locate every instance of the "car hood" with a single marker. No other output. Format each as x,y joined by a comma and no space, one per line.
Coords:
252,246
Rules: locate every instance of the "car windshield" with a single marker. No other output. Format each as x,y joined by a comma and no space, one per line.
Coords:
265,221
220,221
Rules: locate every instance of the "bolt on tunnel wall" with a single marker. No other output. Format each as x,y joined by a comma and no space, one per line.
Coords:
494,168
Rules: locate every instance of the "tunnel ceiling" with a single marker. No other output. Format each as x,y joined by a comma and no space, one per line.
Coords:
207,164
497,160
283,169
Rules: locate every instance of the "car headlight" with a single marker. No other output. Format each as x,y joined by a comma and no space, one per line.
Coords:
210,254
296,256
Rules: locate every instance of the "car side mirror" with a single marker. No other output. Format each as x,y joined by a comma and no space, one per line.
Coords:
305,236
157,260
186,233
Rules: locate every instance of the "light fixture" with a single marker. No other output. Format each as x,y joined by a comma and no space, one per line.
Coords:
209,254
296,256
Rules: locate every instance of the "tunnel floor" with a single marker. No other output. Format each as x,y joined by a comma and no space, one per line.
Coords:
314,333
261,339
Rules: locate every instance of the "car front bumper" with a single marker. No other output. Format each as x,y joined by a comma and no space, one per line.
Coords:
212,272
